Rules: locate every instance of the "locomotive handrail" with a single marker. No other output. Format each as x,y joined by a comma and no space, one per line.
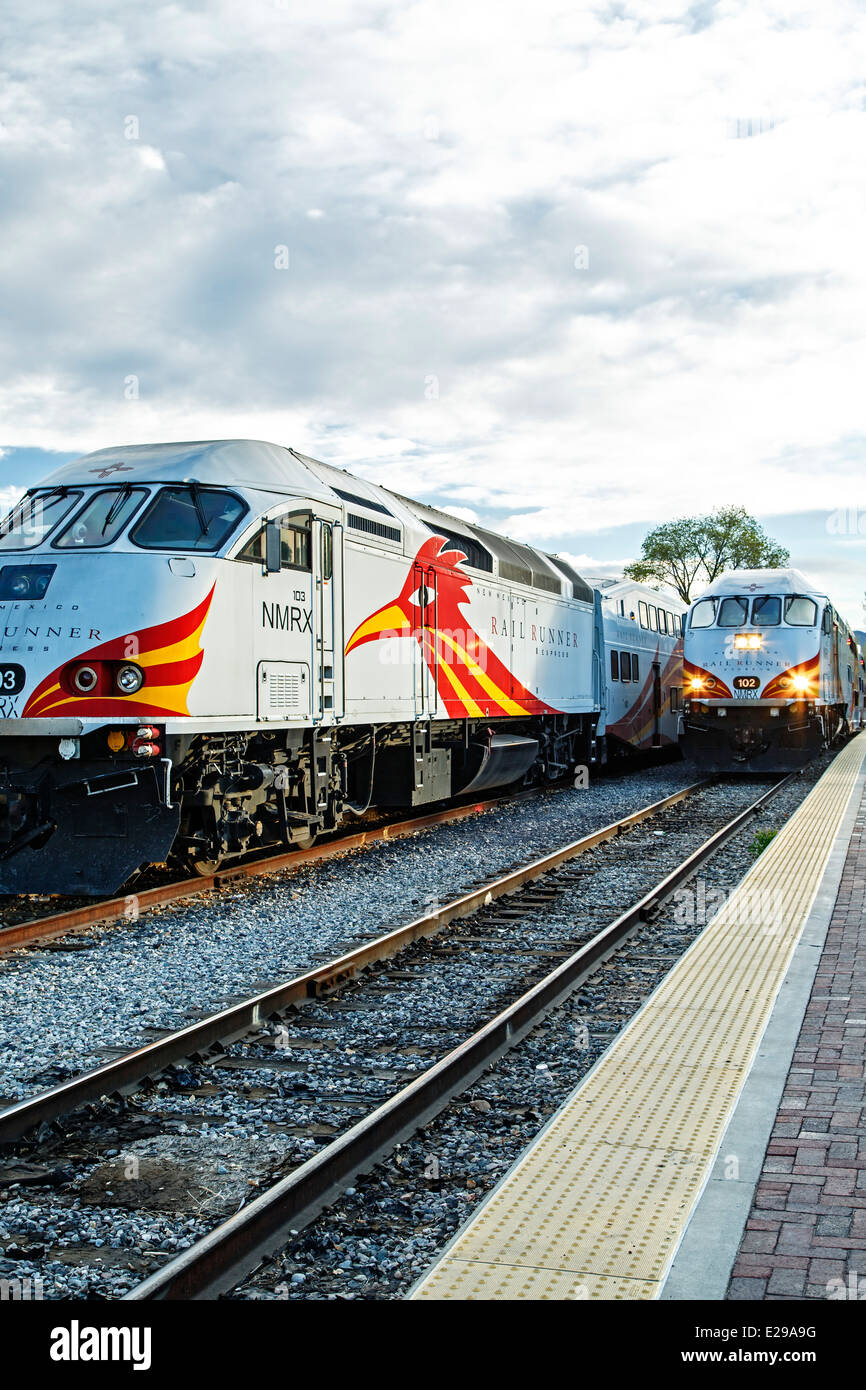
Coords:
431,573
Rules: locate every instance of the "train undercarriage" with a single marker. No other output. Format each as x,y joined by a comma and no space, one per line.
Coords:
78,818
774,738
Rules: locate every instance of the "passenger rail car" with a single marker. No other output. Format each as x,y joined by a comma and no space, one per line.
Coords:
643,662
213,647
772,673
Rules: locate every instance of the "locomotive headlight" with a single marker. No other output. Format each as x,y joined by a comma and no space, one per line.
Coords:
85,679
800,683
748,641
129,679
20,584
696,682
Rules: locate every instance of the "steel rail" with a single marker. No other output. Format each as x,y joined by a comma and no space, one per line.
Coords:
124,1073
219,1260
130,906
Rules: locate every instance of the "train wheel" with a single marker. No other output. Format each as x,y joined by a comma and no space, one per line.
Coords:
306,842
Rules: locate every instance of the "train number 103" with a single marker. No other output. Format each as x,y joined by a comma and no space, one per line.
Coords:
12,679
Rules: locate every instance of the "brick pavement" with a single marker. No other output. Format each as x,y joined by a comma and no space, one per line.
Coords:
807,1226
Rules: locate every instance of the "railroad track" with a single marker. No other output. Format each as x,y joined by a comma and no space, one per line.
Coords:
130,906
488,929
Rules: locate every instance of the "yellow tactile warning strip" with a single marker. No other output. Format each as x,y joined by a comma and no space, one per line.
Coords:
596,1207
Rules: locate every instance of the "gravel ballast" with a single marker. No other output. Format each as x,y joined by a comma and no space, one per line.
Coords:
200,1146
60,1009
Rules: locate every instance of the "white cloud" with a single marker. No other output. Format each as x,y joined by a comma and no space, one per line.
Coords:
710,351
8,497
151,158
462,513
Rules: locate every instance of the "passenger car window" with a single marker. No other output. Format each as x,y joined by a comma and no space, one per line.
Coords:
642,610
188,517
800,611
102,518
767,612
654,619
36,514
733,612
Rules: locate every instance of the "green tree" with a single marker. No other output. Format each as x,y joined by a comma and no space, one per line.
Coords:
692,548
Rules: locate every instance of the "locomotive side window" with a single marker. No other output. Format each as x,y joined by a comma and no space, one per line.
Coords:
733,612
654,619
800,611
614,666
634,667
827,622
188,517
102,519
295,545
642,610
767,612
35,515
624,666
704,613
678,625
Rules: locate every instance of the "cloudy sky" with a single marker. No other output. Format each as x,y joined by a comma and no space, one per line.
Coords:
571,268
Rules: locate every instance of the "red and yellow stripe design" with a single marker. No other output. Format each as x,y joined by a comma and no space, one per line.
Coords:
699,684
471,681
465,686
169,654
797,683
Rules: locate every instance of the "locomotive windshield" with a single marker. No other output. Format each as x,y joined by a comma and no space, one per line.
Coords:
188,518
733,612
704,613
102,518
801,611
767,612
39,512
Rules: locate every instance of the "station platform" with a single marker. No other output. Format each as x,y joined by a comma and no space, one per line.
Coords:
718,1147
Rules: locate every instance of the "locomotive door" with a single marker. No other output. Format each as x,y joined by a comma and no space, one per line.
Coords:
657,704
328,657
425,653
518,626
